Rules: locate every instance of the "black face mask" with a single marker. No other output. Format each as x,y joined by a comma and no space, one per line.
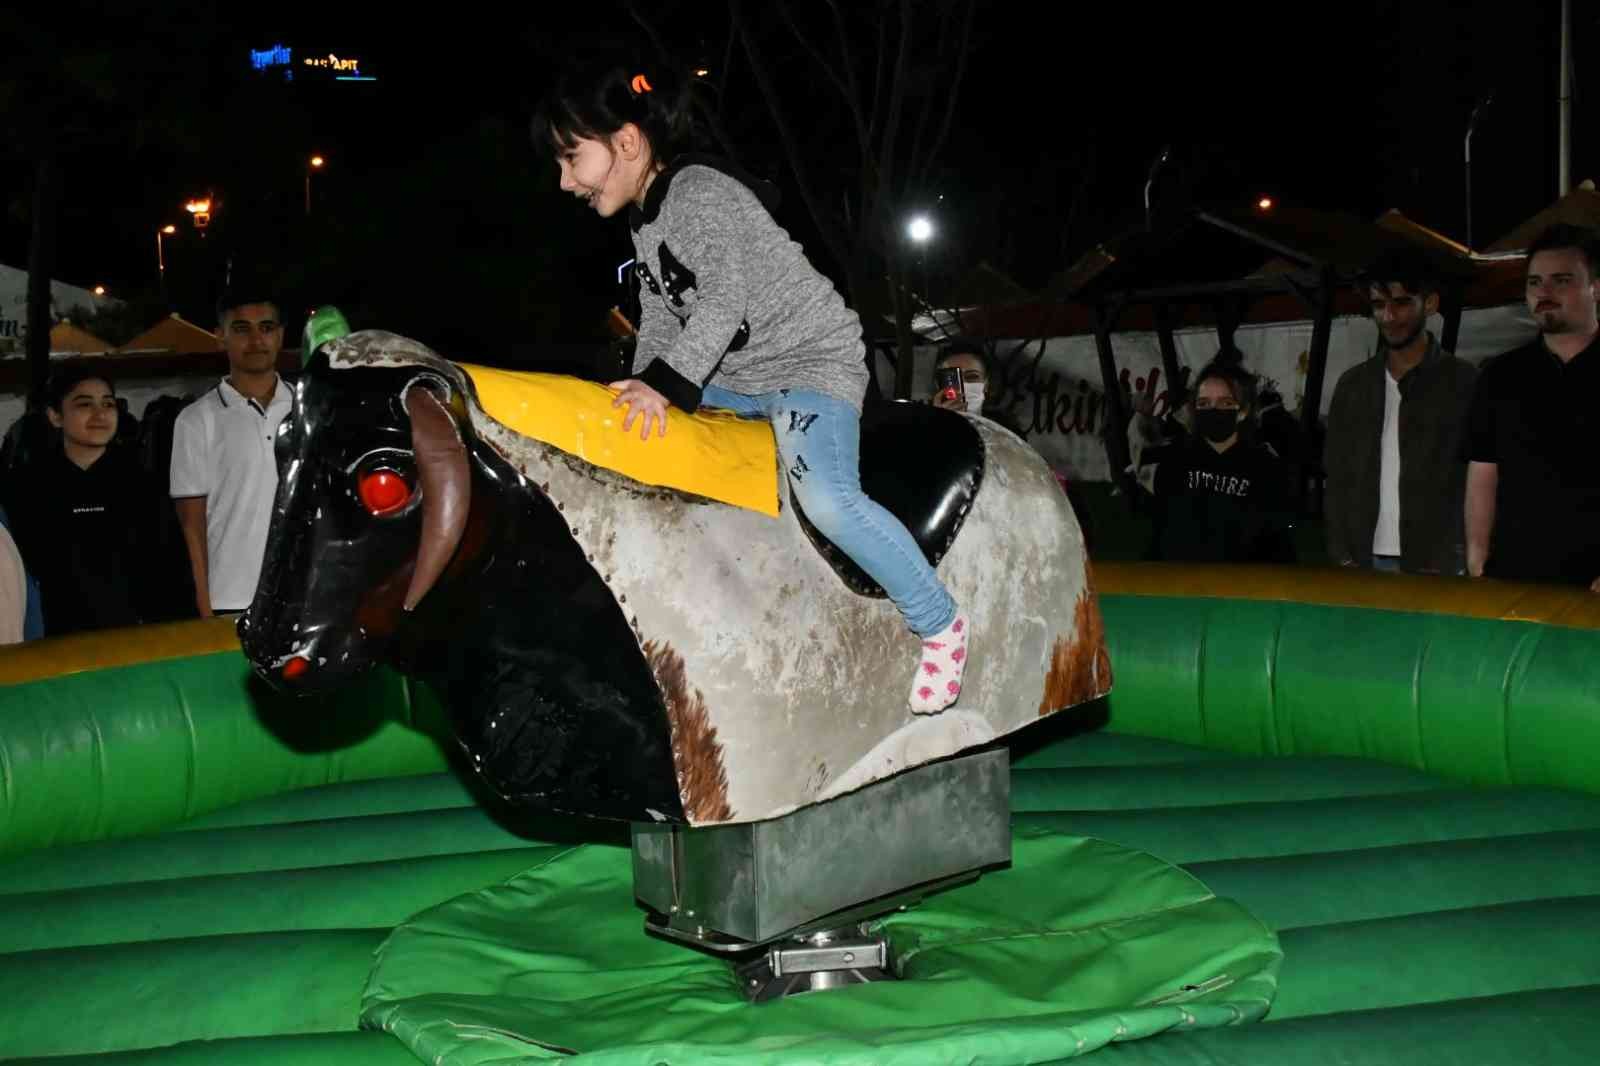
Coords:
1216,424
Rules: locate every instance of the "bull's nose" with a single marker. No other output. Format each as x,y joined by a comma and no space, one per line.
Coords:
296,668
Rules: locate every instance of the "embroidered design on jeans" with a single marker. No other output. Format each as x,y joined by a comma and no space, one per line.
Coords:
799,423
799,470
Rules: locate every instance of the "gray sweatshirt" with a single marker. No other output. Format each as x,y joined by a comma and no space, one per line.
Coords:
728,298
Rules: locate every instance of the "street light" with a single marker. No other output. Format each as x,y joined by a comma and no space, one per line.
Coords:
314,163
920,230
99,290
161,259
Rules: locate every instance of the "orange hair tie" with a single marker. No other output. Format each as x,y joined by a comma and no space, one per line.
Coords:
641,84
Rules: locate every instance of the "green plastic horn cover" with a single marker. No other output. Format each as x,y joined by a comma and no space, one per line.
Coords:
325,324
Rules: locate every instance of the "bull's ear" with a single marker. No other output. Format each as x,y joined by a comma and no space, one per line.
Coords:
445,478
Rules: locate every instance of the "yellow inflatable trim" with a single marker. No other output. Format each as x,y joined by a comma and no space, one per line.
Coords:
108,648
710,453
1510,601
1559,605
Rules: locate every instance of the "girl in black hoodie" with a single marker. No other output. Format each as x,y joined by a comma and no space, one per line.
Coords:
1223,496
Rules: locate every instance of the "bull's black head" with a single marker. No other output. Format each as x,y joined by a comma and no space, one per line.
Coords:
375,485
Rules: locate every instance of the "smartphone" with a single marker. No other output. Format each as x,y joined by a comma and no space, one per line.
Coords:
947,383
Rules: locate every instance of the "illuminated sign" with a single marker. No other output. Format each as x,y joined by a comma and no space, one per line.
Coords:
333,62
276,56
280,59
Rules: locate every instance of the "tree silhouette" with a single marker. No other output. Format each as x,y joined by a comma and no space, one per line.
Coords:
76,91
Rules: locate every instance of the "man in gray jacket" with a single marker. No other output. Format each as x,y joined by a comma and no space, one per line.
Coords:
1396,470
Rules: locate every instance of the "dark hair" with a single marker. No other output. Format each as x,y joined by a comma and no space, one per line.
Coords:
1563,236
594,99
69,374
1241,383
1412,271
236,298
964,346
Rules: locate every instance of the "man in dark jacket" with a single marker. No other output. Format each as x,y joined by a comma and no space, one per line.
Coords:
1396,469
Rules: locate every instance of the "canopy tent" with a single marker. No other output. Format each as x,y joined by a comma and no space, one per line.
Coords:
1580,207
67,339
173,334
1147,279
1278,285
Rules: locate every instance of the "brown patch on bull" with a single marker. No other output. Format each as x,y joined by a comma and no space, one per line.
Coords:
696,752
1080,666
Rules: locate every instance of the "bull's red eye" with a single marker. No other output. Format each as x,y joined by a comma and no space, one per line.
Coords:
383,491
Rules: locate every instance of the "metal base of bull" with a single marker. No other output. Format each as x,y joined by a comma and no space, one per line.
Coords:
830,958
789,899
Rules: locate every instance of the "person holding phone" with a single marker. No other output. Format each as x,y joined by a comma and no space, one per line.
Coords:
960,377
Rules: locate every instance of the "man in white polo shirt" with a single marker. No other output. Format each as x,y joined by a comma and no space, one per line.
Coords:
224,473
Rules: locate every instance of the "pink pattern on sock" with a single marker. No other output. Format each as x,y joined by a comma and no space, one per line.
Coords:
942,656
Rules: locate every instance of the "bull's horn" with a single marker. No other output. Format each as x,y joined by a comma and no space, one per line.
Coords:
446,483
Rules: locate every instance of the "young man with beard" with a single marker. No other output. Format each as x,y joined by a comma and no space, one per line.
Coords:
1393,453
1533,483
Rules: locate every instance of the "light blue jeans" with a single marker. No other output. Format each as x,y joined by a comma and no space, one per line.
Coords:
819,446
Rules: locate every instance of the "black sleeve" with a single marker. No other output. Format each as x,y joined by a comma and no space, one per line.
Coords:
1275,536
1160,502
679,390
1339,479
1481,446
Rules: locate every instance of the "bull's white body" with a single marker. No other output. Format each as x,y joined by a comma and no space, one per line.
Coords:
783,687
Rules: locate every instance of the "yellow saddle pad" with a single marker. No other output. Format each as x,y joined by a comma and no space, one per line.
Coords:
710,453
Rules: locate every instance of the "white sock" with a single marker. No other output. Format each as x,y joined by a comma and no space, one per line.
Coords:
944,659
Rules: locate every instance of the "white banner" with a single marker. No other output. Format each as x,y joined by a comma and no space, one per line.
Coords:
1051,389
14,306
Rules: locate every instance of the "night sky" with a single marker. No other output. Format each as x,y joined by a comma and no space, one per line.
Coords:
435,214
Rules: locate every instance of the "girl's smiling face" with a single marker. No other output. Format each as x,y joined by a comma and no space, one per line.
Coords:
606,174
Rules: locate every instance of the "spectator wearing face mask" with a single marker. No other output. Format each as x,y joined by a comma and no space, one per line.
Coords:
1223,496
969,358
972,360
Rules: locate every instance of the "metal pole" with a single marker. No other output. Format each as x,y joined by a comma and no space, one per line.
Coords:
1564,106
308,192
1151,180
161,267
1472,125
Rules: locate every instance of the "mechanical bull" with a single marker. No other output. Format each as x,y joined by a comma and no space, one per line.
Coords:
617,649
